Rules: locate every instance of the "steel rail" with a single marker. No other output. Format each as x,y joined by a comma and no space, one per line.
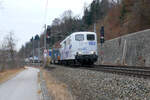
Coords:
123,70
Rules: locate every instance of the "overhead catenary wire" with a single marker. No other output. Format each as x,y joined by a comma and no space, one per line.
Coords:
44,20
43,28
46,11
45,17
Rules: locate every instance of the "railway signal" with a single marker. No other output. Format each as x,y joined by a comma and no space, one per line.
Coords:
37,38
48,34
102,40
32,41
48,31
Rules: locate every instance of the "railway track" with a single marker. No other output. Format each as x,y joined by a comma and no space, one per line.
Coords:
125,70
141,72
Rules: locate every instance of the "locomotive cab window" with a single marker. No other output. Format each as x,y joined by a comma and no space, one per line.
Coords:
90,37
79,37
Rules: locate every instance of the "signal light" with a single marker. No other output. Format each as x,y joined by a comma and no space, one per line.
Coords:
102,40
48,31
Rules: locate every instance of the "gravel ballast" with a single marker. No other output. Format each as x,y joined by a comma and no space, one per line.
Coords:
93,85
44,91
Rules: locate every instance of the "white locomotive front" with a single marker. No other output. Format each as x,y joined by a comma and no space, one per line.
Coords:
79,47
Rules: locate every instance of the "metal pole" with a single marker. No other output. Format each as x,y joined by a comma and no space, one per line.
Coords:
124,52
33,51
44,45
45,36
39,51
95,27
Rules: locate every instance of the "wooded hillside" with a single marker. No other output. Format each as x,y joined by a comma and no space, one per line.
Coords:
125,17
119,17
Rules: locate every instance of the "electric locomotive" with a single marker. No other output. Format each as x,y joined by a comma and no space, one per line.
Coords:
79,47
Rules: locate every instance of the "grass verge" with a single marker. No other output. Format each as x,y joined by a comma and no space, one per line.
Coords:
7,74
56,89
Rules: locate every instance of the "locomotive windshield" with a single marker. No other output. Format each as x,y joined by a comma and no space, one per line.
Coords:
90,37
79,37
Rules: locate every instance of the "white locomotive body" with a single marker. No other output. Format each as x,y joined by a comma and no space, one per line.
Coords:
79,47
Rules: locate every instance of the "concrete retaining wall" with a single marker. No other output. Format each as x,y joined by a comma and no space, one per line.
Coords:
132,49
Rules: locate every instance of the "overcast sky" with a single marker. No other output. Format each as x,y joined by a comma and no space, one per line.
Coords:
26,17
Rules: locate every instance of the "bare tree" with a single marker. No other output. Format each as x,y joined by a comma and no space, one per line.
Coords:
3,56
56,22
66,15
9,52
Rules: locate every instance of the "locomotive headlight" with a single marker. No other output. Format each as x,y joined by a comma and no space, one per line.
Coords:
80,52
93,52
